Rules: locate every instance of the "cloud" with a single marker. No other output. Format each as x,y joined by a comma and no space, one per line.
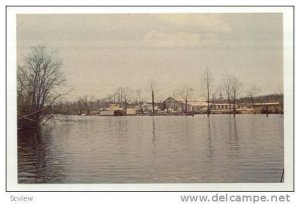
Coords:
163,39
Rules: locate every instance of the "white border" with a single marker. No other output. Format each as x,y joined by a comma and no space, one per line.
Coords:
12,184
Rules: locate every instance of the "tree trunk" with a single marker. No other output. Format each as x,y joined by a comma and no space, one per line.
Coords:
208,108
234,102
228,101
207,86
125,106
152,101
185,111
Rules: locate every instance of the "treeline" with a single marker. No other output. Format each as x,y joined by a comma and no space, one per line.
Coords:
270,98
84,105
88,105
91,106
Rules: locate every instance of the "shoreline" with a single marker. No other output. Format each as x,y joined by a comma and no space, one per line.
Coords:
169,114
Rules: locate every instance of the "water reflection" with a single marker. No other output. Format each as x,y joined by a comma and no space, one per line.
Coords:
88,149
153,134
211,148
122,135
187,128
210,145
36,165
29,147
233,137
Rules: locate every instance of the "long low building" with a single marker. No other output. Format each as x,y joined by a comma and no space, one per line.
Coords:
223,107
198,106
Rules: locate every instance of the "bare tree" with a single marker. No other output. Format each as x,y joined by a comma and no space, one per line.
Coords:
124,96
235,90
227,83
39,81
81,105
185,94
251,94
88,104
154,90
215,92
232,87
207,83
119,94
23,92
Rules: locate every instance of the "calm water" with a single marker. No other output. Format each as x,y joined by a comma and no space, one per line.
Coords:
94,149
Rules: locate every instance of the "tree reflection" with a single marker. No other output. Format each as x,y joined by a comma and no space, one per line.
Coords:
234,146
187,128
210,146
153,131
153,135
30,156
36,162
122,130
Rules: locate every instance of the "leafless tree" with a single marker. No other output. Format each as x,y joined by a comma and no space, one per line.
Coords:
154,90
23,96
86,104
232,88
127,95
207,83
124,96
215,93
39,85
251,94
81,105
119,94
227,83
185,94
235,89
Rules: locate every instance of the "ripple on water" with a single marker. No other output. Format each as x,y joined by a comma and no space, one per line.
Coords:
93,149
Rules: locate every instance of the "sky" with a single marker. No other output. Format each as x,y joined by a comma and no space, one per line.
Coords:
101,52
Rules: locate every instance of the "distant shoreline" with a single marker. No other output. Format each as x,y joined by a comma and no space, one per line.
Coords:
173,114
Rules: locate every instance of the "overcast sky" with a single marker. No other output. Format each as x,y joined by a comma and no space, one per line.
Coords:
101,52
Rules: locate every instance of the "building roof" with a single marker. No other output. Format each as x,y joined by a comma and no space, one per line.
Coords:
264,104
198,103
170,98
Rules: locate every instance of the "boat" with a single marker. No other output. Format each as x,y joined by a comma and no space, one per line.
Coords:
113,110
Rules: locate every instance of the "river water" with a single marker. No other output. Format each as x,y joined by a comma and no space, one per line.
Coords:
159,149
